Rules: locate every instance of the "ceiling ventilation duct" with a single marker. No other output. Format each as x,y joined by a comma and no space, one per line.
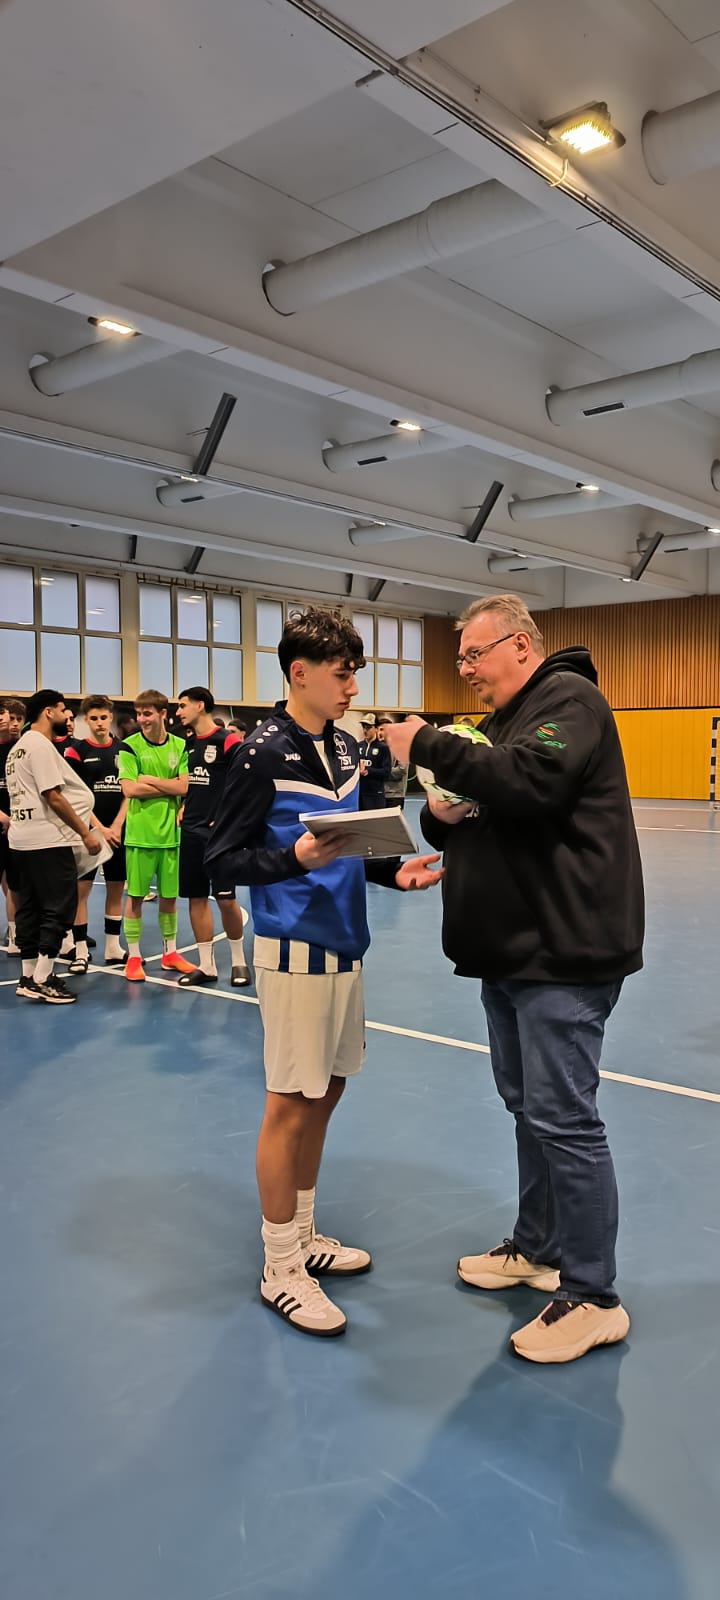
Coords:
691,539
363,533
518,563
106,359
394,446
678,380
573,504
684,140
186,491
446,228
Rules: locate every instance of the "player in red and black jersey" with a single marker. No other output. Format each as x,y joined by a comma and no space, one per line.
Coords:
210,750
64,740
95,760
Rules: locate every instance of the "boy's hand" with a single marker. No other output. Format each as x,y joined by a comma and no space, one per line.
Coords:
416,873
312,852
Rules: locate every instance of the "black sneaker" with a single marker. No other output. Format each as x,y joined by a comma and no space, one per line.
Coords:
28,989
55,992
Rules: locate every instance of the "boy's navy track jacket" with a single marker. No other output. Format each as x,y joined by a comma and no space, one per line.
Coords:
273,776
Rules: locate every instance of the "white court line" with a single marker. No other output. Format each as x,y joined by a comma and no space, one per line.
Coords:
437,1038
642,827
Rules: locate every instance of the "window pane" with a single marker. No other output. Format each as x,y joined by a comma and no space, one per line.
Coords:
226,619
227,684
366,688
60,662
17,662
269,625
102,606
386,684
192,666
411,690
365,626
412,641
155,613
387,637
16,594
269,681
191,615
155,667
103,666
59,602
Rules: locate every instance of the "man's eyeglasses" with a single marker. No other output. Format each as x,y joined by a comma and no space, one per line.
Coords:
475,655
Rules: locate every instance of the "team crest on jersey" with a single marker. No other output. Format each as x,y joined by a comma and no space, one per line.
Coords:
210,753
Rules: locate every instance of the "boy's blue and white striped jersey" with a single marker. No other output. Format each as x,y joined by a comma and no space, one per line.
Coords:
273,776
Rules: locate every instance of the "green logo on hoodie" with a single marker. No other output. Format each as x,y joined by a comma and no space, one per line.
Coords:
547,734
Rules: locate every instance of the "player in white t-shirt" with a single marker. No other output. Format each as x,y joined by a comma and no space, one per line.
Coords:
50,812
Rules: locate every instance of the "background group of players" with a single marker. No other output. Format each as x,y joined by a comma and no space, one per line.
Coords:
153,798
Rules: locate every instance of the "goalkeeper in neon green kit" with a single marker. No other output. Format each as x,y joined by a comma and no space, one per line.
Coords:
153,773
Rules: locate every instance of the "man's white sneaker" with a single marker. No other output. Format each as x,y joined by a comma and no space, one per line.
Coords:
325,1255
504,1267
300,1301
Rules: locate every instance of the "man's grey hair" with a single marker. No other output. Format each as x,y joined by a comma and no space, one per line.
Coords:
512,614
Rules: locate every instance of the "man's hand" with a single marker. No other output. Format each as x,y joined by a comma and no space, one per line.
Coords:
399,736
312,853
416,873
93,843
449,811
113,834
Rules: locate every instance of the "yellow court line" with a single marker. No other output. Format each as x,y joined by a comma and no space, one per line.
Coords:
439,1038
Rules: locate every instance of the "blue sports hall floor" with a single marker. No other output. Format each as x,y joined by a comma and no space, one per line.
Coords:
163,1437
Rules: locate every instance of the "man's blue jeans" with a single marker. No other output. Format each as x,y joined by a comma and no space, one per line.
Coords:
545,1044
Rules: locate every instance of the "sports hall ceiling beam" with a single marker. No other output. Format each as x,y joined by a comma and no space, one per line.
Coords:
288,555
375,519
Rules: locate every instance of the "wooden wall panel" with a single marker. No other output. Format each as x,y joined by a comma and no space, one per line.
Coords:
650,655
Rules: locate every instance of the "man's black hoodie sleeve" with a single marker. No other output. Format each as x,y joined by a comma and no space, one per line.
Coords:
539,772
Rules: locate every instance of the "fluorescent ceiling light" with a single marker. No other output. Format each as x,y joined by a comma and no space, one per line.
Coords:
626,580
712,530
111,325
45,581
406,426
589,488
585,130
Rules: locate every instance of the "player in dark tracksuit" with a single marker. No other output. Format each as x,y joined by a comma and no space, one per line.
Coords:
376,766
95,760
210,750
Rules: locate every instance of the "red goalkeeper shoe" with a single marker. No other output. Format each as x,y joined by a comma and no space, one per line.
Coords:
173,962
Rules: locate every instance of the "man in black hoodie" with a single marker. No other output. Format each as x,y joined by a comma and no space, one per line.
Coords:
543,900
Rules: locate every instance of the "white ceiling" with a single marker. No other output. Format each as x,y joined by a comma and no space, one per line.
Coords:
256,133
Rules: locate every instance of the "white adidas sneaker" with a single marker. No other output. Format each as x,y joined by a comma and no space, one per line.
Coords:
299,1299
325,1255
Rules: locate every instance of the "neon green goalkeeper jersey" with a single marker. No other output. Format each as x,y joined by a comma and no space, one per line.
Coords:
151,824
